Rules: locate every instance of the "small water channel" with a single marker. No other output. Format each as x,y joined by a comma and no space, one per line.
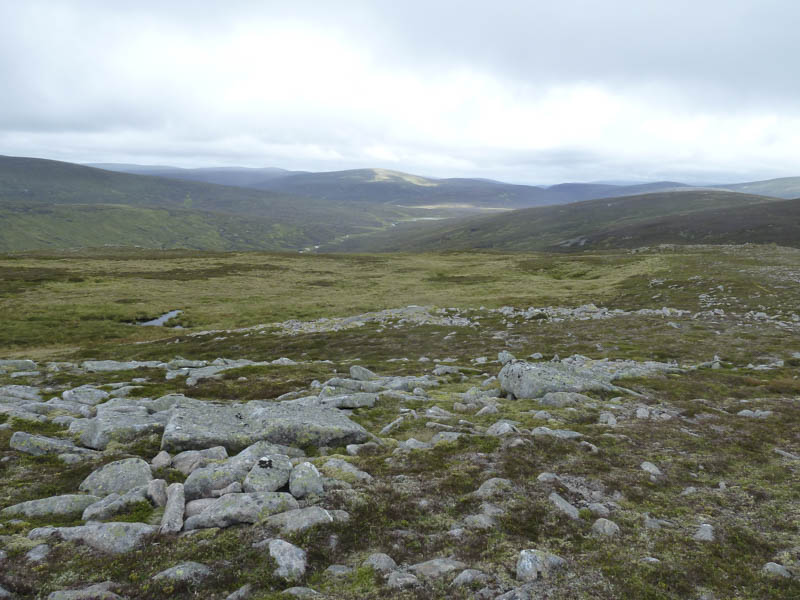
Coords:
162,320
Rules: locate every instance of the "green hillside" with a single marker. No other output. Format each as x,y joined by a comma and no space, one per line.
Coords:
550,226
783,187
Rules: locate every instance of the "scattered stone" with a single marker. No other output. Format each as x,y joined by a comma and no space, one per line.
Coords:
605,527
114,504
705,533
300,519
607,418
68,505
98,591
337,571
599,509
190,460
563,434
501,428
85,394
161,460
290,559
301,592
380,562
533,564
157,492
233,509
305,480
269,474
341,469
650,468
469,576
438,567
398,580
188,572
776,570
361,373
117,477
496,486
112,538
564,506
38,553
243,593
172,520
40,445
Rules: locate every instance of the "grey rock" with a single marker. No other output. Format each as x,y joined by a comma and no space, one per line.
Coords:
776,570
604,527
187,572
188,461
492,488
233,509
533,564
361,374
607,418
85,394
563,399
504,357
202,482
438,567
445,437
38,553
479,522
705,533
562,434
119,423
576,374
650,468
157,492
469,576
195,507
40,445
380,562
300,519
290,559
234,488
305,480
358,449
243,593
341,469
117,477
114,504
338,570
68,505
564,506
491,409
269,474
97,591
301,592
172,519
196,425
161,460
21,364
398,580
642,412
599,509
501,428
112,538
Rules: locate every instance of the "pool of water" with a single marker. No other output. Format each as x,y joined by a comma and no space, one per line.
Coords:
160,321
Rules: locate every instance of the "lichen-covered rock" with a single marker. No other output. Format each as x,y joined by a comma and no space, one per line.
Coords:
533,564
187,572
437,567
496,486
68,505
40,445
270,473
115,504
98,591
290,559
121,424
233,509
380,562
85,394
172,520
197,425
300,519
305,480
117,477
604,527
341,469
112,538
188,461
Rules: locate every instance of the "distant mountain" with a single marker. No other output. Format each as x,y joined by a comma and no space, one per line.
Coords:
783,187
45,203
565,226
235,176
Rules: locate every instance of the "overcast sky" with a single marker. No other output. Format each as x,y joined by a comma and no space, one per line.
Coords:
526,91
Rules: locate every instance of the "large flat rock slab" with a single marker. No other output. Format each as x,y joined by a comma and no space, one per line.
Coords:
196,425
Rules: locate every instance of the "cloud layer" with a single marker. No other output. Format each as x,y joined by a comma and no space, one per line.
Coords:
535,92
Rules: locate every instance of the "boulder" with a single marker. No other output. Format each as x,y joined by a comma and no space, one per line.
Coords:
305,480
290,560
233,509
187,572
604,527
197,425
300,519
343,470
115,504
438,567
111,538
172,520
39,445
117,477
97,591
68,505
533,564
269,474
188,461
85,394
380,562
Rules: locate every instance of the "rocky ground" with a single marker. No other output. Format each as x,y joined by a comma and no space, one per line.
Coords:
418,452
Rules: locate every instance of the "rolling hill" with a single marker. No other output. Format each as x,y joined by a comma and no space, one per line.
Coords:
783,187
551,227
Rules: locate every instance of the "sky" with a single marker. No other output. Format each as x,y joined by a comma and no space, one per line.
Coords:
525,91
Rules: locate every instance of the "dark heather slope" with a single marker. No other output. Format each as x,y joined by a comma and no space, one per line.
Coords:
546,227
